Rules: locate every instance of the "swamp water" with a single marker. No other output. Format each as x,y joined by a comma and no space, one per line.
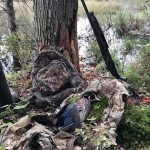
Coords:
85,35
116,44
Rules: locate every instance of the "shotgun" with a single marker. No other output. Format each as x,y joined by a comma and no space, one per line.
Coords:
104,48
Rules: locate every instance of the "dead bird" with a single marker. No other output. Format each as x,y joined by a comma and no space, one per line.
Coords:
84,104
71,116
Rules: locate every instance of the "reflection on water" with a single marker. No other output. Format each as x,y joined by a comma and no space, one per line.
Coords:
6,57
83,27
115,44
85,35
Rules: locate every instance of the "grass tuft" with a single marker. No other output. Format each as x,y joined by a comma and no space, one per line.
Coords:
99,7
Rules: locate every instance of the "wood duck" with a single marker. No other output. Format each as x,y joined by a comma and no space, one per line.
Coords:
84,104
71,116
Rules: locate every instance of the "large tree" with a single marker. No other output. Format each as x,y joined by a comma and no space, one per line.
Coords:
56,24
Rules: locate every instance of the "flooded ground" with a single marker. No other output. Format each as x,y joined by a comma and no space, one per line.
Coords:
85,35
5,57
115,43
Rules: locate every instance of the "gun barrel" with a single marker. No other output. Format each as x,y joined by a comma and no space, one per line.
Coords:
85,7
101,40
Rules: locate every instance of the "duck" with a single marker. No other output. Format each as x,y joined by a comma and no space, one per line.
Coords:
84,104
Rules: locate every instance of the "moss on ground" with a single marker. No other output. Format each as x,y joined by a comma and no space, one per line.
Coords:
97,109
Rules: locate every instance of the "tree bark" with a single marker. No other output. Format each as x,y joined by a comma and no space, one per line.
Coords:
5,95
13,30
56,25
11,16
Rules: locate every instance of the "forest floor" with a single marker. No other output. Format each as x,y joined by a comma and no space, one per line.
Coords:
134,130
23,80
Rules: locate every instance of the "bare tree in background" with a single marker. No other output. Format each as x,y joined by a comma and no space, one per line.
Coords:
56,24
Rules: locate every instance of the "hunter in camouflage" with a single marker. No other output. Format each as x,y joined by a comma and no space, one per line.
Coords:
54,77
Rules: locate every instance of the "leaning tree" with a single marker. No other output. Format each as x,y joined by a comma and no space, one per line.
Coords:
56,25
5,95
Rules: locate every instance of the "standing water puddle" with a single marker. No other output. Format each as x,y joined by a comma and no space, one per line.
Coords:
85,34
115,43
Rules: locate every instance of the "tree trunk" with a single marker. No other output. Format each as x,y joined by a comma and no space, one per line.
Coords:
56,25
5,95
11,16
13,30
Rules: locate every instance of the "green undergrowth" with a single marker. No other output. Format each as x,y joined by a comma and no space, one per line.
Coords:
134,129
20,80
2,147
13,79
126,21
74,99
97,109
12,113
6,113
99,7
21,45
138,73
